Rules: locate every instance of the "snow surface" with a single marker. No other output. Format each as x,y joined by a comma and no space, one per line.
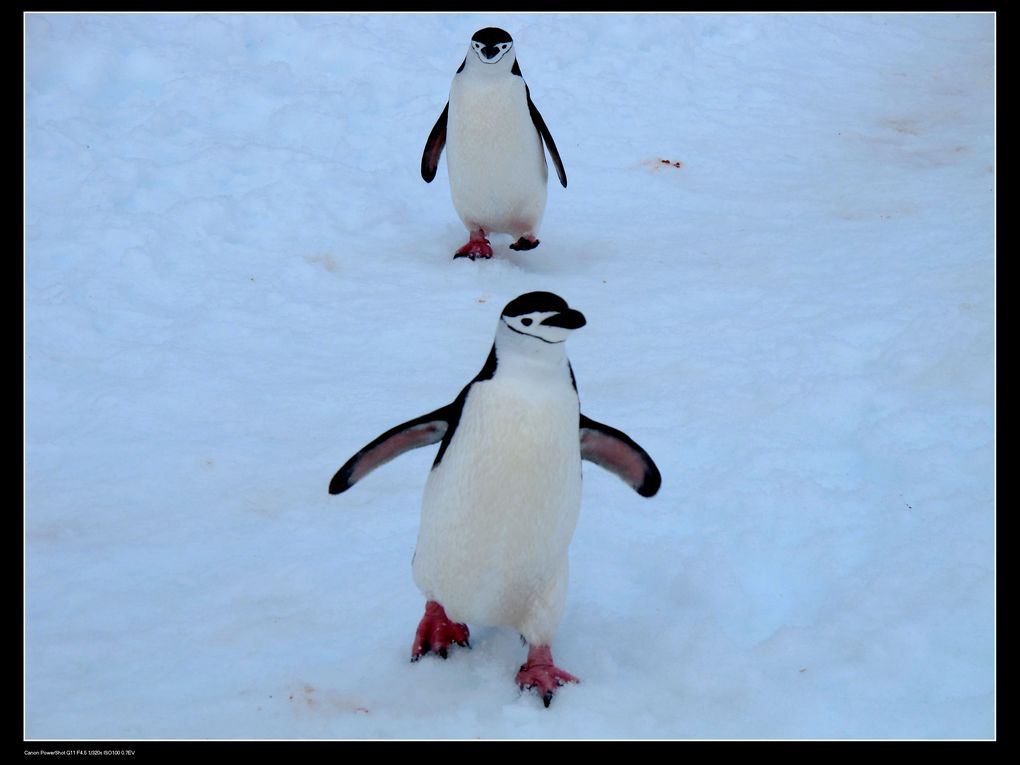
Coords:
235,278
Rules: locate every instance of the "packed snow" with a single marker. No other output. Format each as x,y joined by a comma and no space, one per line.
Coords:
780,230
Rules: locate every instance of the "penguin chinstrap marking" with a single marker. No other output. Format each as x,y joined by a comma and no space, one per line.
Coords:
493,134
502,499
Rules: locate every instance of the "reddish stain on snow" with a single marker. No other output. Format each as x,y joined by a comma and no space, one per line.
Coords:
655,165
327,703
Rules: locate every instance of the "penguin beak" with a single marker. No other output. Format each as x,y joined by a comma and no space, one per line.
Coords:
490,52
569,319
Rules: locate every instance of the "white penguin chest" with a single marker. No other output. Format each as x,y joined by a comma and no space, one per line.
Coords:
517,441
508,489
496,160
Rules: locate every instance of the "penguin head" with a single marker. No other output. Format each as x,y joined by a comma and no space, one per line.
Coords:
492,46
539,318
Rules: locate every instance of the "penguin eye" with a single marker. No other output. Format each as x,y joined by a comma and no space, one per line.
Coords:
526,322
503,46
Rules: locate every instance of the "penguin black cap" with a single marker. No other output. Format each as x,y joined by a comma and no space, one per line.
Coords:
491,36
532,302
546,302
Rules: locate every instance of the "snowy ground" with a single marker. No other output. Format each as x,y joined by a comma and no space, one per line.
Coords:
235,277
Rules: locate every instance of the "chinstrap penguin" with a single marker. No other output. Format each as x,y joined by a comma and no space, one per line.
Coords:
493,133
503,496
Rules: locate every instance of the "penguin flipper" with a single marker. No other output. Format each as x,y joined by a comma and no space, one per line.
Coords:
616,452
543,129
413,434
434,146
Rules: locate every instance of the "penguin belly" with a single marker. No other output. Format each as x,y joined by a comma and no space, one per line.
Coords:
495,157
500,509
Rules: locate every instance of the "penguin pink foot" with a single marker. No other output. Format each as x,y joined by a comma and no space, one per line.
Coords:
525,243
436,632
477,247
540,673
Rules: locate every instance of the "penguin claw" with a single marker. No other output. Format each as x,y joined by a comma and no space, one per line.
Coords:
419,650
524,243
540,673
475,248
436,633
547,697
472,255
